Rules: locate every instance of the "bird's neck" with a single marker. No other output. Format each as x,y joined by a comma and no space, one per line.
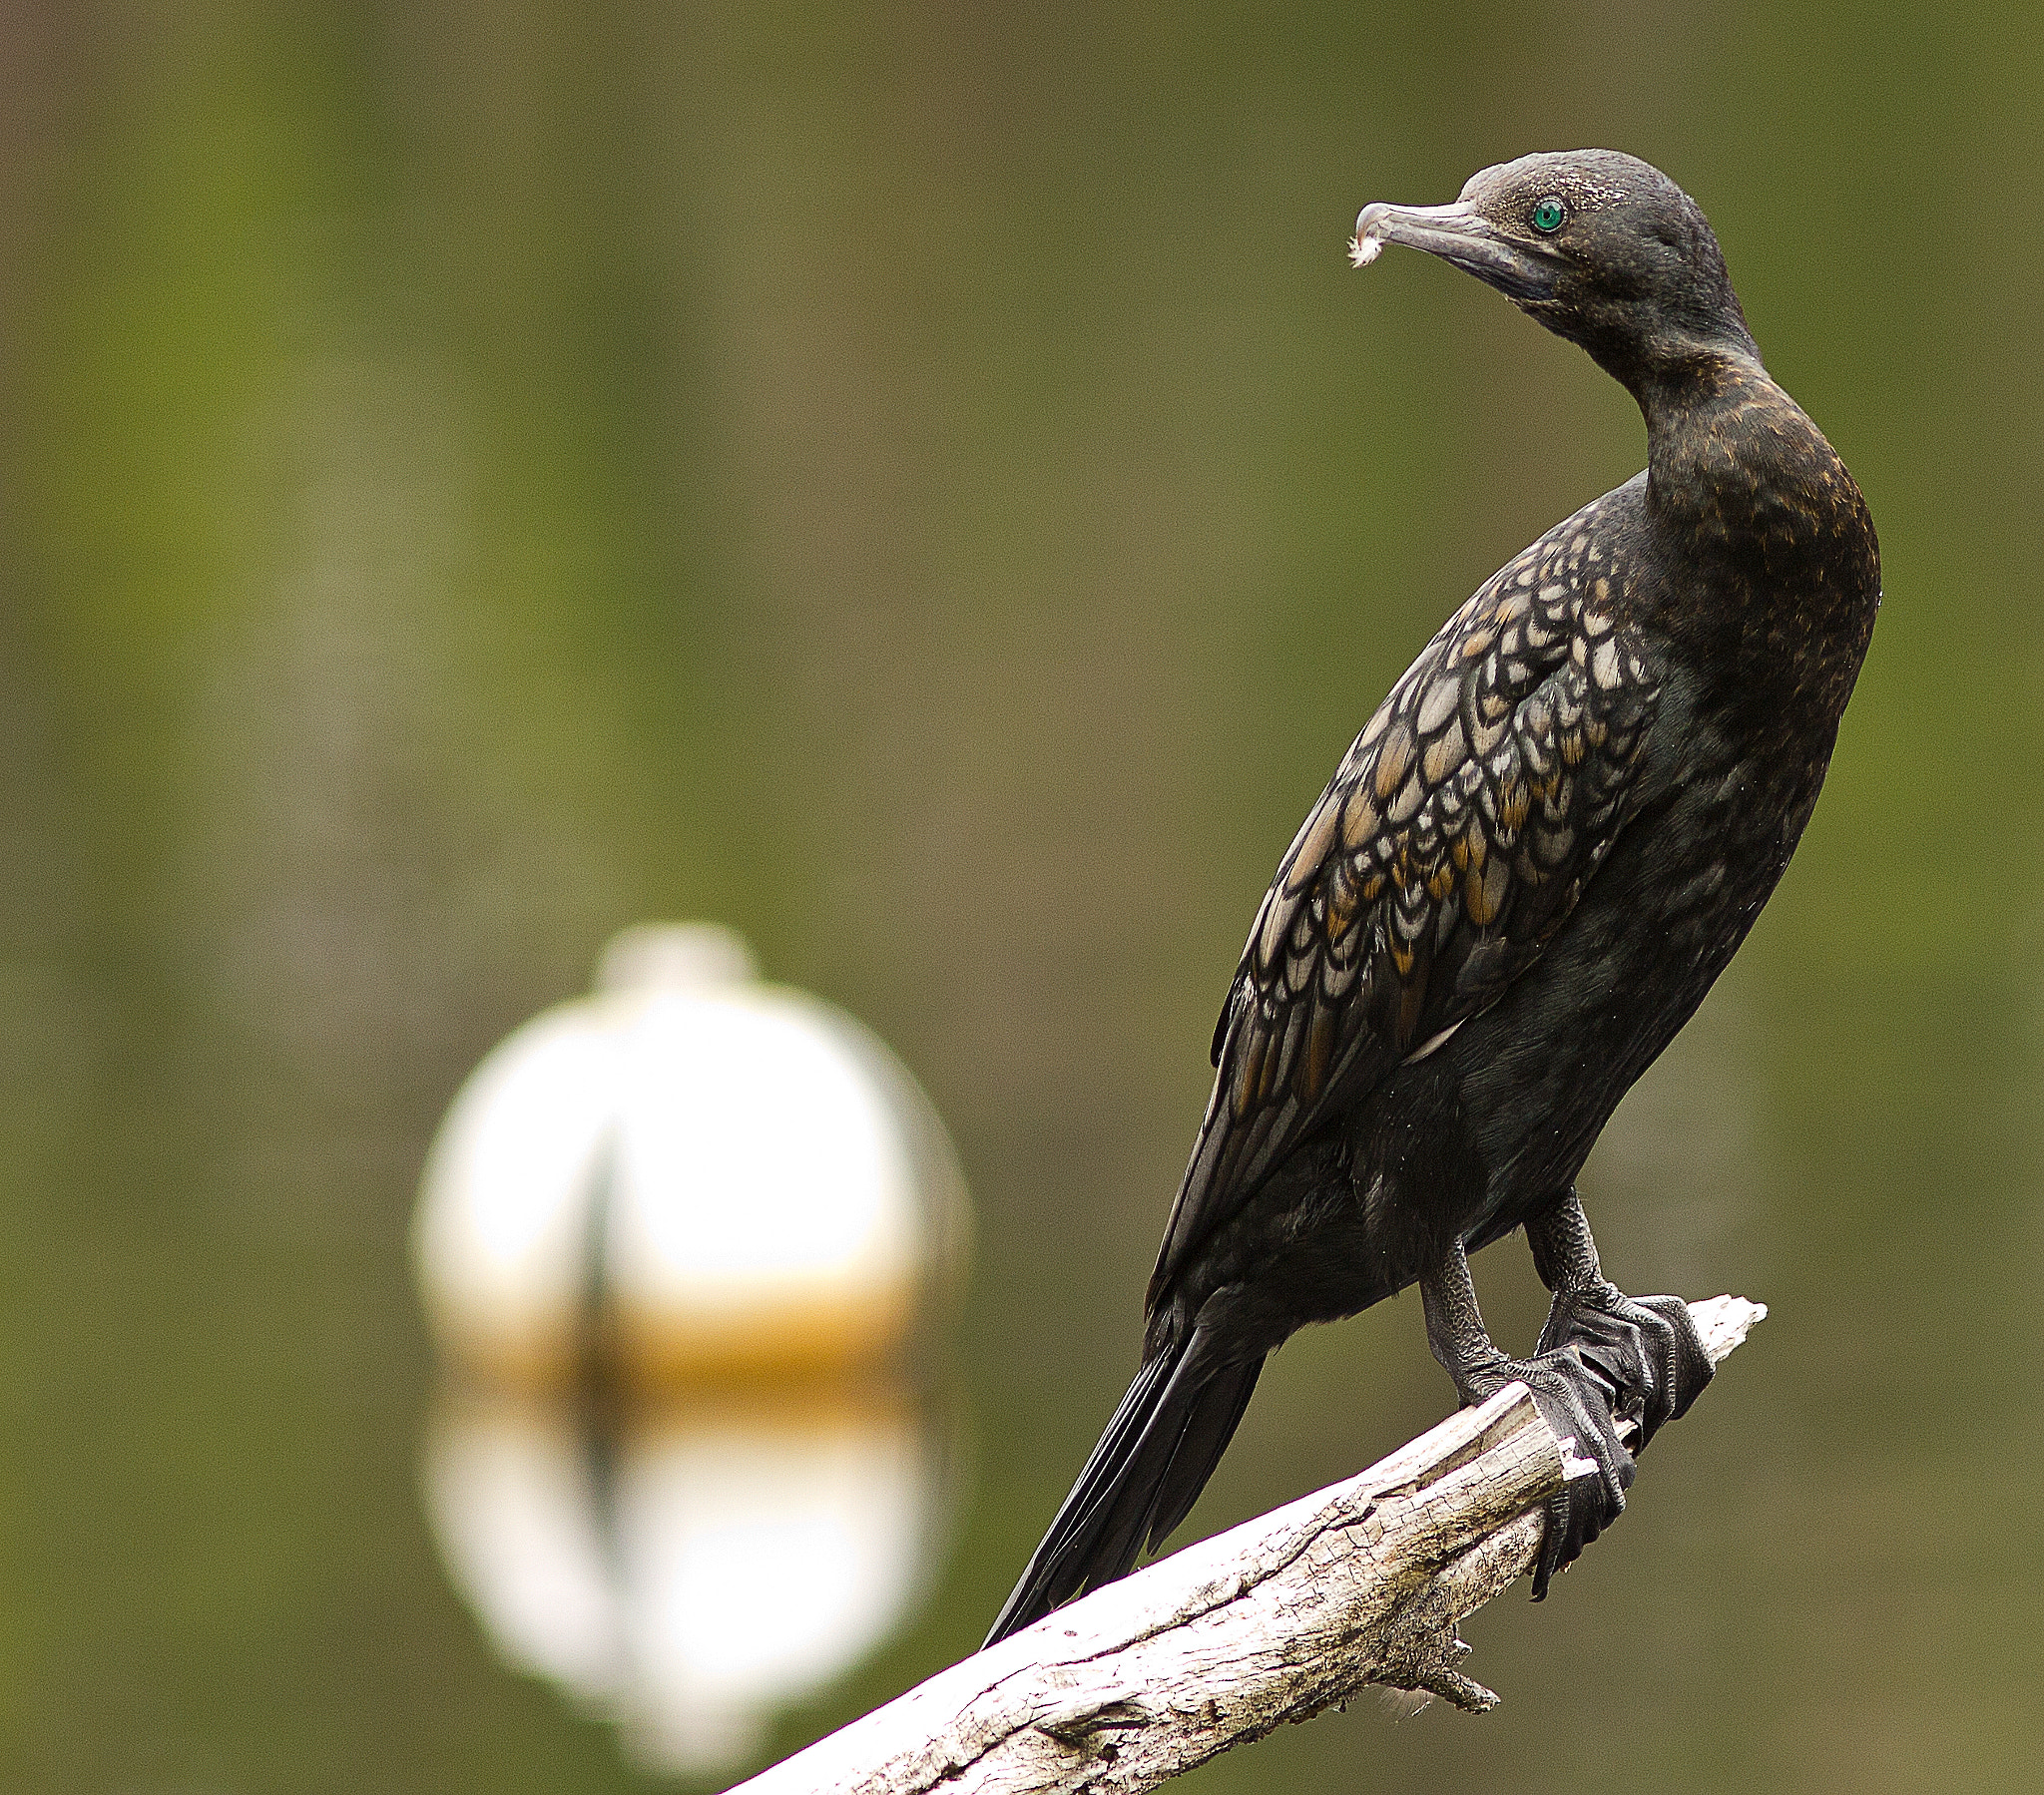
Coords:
1682,396
1733,464
1751,508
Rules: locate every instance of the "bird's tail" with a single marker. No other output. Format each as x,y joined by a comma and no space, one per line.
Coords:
1142,1480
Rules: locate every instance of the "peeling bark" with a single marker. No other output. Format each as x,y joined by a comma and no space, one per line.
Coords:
1274,1620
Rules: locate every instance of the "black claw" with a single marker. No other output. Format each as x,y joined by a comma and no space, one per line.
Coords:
1555,1543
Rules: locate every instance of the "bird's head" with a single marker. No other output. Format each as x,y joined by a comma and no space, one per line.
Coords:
1602,248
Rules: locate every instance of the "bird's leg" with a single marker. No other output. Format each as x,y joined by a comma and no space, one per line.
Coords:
1645,1347
1574,1397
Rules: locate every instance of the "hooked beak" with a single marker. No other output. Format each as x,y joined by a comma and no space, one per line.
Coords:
1460,235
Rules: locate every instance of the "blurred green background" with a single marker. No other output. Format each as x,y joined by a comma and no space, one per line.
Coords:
921,485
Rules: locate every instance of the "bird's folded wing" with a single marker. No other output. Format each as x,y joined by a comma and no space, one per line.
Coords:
1453,841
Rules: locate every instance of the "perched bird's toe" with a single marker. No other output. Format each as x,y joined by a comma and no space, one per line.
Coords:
1646,1349
1575,1400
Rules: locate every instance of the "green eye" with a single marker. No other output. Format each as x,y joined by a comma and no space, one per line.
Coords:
1548,215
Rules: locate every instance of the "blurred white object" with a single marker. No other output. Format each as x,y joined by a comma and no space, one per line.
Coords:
725,1174
694,1576
676,1234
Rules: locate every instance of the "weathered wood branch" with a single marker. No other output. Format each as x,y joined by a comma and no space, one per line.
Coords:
1274,1620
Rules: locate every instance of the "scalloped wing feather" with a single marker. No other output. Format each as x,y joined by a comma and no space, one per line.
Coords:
1455,839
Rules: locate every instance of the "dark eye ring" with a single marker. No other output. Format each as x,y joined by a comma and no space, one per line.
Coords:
1549,214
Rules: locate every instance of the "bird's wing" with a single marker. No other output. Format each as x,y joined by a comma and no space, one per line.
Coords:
1453,841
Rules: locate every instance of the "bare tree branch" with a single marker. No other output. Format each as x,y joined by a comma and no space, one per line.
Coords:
1274,1620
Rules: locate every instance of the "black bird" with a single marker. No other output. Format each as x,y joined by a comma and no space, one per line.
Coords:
1525,874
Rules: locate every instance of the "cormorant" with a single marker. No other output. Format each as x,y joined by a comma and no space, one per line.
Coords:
1528,869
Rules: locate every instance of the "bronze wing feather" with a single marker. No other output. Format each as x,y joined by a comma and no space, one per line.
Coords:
1454,839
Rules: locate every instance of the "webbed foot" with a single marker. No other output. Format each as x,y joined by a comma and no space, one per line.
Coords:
1575,1398
1644,1349
1603,1358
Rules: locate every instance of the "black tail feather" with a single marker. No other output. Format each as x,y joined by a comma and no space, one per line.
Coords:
1140,1482
1205,1437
